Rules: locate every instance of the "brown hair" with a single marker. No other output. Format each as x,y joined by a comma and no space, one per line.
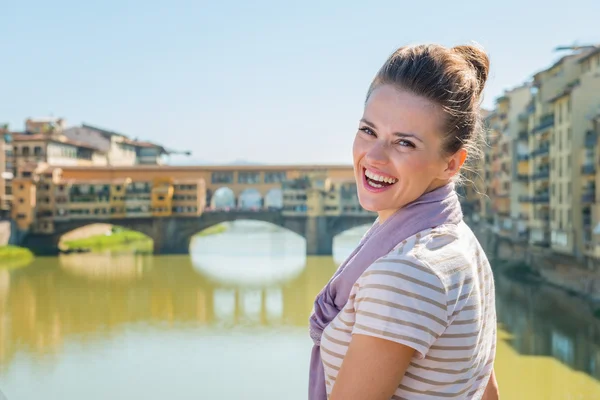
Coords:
453,78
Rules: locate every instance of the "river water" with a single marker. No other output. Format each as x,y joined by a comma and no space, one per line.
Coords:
229,321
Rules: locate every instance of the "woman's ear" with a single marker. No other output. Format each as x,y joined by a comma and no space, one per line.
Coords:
455,163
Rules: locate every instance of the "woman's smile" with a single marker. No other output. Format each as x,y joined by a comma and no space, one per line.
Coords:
375,181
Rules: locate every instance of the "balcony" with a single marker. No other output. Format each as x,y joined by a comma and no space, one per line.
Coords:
588,198
543,150
591,138
525,199
523,135
523,157
523,177
587,220
541,175
546,122
588,169
541,198
589,194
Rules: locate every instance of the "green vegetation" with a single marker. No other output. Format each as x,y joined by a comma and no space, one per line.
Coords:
597,313
14,257
213,230
117,238
120,238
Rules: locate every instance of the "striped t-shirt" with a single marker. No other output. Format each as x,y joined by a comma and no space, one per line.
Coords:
435,293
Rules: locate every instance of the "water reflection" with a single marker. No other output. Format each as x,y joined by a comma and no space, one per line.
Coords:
238,306
546,321
235,260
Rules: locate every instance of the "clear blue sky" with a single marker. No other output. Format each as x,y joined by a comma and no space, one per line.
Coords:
268,82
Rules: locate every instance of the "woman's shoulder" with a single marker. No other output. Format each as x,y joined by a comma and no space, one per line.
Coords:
446,251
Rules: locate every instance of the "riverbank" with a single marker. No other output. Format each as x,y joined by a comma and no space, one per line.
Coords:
115,238
532,263
14,257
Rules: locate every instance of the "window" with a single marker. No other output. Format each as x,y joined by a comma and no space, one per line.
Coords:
161,198
21,200
21,216
25,151
37,151
248,177
222,177
560,196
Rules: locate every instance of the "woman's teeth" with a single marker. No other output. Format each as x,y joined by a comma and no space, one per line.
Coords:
378,181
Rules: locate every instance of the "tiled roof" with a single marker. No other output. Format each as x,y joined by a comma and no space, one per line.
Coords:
20,137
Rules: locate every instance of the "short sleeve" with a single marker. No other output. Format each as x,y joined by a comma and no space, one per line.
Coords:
401,299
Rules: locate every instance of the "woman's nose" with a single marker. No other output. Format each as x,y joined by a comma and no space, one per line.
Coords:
378,154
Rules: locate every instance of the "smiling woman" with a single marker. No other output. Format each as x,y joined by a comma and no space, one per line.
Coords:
411,312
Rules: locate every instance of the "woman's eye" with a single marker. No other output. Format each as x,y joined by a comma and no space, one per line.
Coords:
405,143
367,130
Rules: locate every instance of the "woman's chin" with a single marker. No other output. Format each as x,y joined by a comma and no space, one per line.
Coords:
371,206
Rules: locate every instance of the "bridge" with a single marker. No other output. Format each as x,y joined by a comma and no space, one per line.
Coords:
172,235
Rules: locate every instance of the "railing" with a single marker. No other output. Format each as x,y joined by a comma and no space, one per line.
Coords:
591,138
525,199
588,169
522,157
547,121
540,151
540,175
587,220
523,177
541,198
588,197
523,134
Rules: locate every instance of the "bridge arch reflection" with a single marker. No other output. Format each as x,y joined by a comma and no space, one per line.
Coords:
270,256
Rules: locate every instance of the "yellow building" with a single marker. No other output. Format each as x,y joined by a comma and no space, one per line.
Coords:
346,196
6,171
589,196
573,170
24,202
188,197
545,164
45,179
162,196
117,197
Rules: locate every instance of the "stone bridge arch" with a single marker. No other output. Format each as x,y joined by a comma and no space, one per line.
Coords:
176,233
345,223
49,244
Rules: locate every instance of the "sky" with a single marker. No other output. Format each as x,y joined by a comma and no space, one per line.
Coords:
270,82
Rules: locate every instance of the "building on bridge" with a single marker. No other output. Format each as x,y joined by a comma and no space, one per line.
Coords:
171,207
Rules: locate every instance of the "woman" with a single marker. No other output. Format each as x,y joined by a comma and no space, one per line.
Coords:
411,313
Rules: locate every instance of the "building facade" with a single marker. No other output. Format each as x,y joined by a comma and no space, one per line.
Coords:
542,160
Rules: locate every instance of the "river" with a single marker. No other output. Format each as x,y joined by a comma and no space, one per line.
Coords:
229,321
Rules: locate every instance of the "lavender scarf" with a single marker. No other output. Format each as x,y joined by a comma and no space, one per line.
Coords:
438,207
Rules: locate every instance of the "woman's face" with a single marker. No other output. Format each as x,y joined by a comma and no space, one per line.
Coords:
398,150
